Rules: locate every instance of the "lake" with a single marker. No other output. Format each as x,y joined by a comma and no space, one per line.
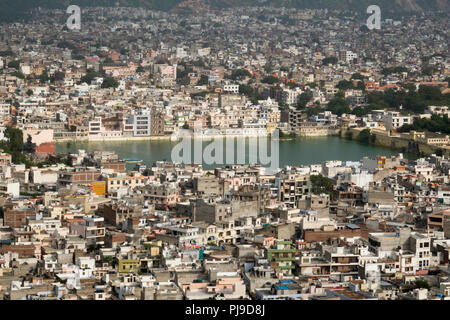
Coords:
300,151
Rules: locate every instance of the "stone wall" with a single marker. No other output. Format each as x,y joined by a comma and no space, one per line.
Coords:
397,142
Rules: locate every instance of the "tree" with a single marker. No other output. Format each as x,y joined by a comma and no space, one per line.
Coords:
340,94
203,80
240,74
199,94
108,60
422,283
448,81
270,80
428,70
329,60
321,184
303,99
6,53
29,92
15,64
268,68
409,87
246,90
29,146
398,69
140,69
43,78
434,124
90,75
359,111
58,76
357,76
15,138
110,83
345,85
339,106
18,74
185,126
14,146
430,93
360,86
313,111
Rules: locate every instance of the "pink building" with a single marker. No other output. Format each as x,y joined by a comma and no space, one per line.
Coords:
38,136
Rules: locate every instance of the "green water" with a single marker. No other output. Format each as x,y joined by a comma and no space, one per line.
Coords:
301,151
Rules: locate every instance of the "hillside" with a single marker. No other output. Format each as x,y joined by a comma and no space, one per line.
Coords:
11,10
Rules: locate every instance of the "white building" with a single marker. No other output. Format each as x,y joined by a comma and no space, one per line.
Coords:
232,88
350,56
43,176
395,120
10,187
290,96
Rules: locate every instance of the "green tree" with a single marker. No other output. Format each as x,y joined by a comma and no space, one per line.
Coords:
344,85
270,80
391,70
357,76
329,60
448,80
110,83
428,70
434,124
321,184
303,99
312,111
90,75
240,74
15,64
58,76
339,106
15,138
29,146
422,283
18,74
140,69
14,146
203,80
43,78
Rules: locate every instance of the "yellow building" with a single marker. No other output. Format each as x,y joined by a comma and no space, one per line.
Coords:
128,265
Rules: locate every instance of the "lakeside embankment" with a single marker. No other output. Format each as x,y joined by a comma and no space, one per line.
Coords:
157,138
114,139
406,143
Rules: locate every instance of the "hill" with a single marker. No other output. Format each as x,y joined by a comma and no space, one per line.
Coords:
13,10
